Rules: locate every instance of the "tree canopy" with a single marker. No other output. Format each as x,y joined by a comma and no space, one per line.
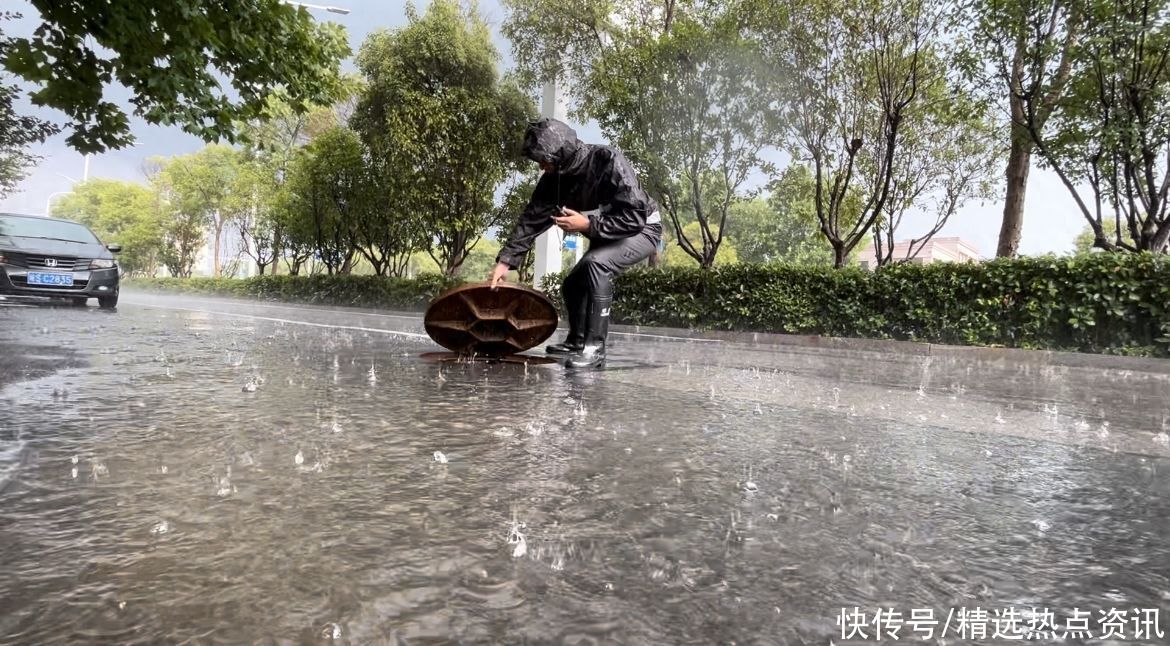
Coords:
171,56
442,126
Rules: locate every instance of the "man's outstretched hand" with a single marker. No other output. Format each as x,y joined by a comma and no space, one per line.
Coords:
499,273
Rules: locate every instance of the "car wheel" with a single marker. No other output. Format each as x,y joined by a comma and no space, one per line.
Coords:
108,302
80,302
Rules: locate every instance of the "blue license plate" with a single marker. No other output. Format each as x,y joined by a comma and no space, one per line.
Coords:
52,280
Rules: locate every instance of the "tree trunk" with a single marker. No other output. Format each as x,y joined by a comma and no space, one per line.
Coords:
839,255
215,253
1019,161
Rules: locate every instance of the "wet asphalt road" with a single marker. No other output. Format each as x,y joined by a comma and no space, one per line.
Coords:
195,470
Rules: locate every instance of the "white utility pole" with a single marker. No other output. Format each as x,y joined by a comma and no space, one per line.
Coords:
548,244
337,10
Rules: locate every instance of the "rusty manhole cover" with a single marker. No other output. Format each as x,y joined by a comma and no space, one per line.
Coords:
451,357
475,320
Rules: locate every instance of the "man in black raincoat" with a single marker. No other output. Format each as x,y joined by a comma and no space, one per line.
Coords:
592,190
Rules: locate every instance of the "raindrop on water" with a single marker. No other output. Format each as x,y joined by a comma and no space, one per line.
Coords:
1162,439
516,538
300,458
440,458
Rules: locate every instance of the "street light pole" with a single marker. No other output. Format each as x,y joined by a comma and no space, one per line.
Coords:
337,10
548,244
49,200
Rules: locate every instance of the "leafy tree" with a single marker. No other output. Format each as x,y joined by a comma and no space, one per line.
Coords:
689,109
318,210
859,78
783,227
676,85
119,212
1086,240
253,197
1113,132
441,126
272,142
946,157
17,132
362,193
677,256
202,188
183,229
481,259
1022,54
169,55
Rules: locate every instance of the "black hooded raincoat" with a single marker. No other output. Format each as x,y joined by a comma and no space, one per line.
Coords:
588,177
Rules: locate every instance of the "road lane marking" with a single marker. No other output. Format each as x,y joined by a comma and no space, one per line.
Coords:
418,318
293,321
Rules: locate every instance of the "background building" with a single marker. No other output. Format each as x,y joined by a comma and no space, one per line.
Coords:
952,249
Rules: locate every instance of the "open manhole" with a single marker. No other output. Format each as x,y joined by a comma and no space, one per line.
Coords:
476,322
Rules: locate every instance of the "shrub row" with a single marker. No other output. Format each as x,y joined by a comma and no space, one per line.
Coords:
1103,303
407,294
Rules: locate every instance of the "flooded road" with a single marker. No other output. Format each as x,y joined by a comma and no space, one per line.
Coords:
214,472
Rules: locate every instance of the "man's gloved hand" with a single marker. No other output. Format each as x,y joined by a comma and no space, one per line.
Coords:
501,270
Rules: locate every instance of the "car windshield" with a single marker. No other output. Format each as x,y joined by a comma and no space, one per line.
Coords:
25,227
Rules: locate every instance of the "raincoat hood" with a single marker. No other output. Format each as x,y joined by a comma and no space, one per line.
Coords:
553,141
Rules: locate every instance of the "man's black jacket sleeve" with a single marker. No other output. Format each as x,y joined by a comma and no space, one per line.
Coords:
535,220
625,211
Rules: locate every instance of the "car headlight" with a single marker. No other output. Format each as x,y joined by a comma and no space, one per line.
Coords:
101,263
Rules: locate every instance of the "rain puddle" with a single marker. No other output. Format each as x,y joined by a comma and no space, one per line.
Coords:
224,480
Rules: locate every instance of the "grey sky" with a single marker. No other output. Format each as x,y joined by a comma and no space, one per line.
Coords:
1051,217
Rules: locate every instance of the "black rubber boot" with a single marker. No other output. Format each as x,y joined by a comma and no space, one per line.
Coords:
568,347
575,340
593,354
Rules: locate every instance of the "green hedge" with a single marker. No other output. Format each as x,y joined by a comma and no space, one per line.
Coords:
411,294
1103,303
